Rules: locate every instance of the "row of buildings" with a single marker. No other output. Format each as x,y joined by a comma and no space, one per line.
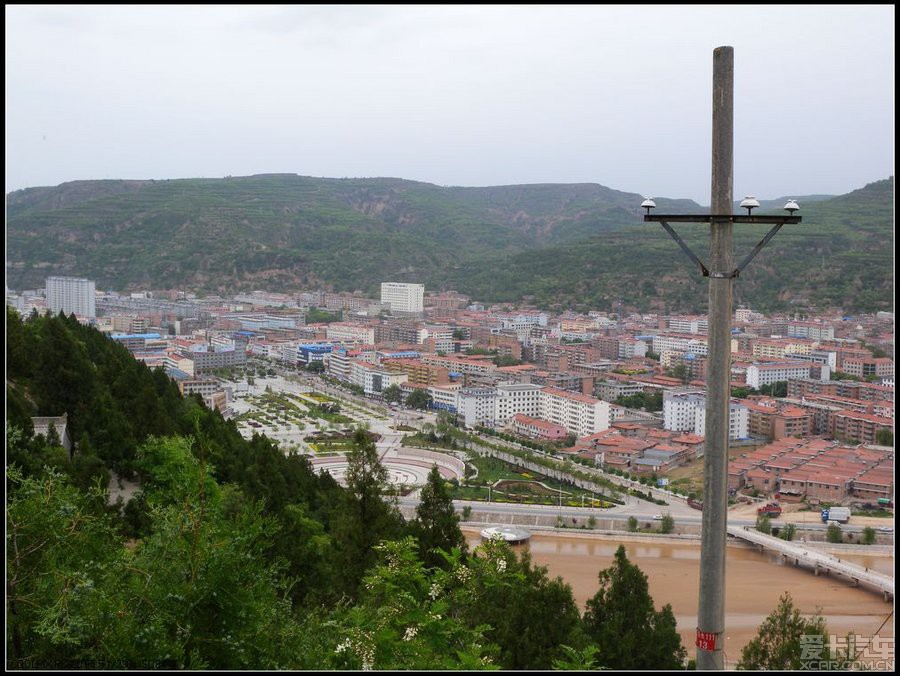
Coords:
538,374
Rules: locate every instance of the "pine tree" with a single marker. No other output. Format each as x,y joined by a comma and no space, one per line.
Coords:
621,620
778,645
437,524
366,517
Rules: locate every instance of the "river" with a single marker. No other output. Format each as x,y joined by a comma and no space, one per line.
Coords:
754,582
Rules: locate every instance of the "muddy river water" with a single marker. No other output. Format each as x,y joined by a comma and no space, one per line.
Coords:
754,582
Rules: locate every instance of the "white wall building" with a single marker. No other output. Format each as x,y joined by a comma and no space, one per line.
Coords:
685,411
71,294
445,397
403,297
350,333
810,330
477,405
766,374
689,324
516,398
580,414
374,379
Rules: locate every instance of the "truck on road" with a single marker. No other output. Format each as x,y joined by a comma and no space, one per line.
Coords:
770,509
839,514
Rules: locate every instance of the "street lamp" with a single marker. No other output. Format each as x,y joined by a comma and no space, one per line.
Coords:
721,273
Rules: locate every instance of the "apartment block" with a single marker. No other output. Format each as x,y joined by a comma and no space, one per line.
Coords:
537,428
578,413
407,298
685,411
374,379
861,427
517,398
350,333
71,295
759,374
881,367
477,405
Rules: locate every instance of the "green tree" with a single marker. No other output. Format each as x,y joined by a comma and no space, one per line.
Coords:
366,517
621,620
788,532
392,393
764,525
57,540
778,645
667,525
404,619
418,398
833,534
868,537
436,525
884,437
777,389
680,371
530,615
196,591
632,524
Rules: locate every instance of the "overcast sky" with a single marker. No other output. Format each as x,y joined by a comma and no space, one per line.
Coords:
453,95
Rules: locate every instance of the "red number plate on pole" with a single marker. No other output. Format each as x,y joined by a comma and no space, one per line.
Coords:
706,640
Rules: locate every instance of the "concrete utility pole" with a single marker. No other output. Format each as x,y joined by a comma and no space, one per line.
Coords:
711,615
722,273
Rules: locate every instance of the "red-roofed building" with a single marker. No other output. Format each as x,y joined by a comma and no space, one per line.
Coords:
761,480
874,484
537,428
696,443
827,487
859,426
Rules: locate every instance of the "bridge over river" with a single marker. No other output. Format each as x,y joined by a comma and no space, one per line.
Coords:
816,561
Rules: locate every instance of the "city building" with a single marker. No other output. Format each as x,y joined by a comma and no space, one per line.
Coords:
537,428
685,411
476,405
403,297
759,374
71,295
580,414
374,379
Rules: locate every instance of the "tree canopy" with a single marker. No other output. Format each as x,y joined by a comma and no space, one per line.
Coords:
779,643
621,620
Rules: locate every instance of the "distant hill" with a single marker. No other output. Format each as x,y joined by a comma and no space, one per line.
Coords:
569,245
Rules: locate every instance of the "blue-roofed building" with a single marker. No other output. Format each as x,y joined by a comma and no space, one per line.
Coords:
177,374
307,354
134,341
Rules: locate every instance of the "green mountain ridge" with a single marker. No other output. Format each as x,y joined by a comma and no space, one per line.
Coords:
565,245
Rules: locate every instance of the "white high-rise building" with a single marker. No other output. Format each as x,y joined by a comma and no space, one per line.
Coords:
685,411
71,294
403,297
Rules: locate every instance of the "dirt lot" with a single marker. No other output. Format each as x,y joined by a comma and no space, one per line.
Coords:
792,514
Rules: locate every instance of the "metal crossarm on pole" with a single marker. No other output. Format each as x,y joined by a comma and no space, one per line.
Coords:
684,247
778,221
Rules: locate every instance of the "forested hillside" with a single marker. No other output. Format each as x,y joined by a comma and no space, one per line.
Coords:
581,245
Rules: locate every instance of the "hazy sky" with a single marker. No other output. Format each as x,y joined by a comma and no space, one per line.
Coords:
453,95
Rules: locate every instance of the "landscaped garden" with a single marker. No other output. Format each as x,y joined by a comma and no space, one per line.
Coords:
508,483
